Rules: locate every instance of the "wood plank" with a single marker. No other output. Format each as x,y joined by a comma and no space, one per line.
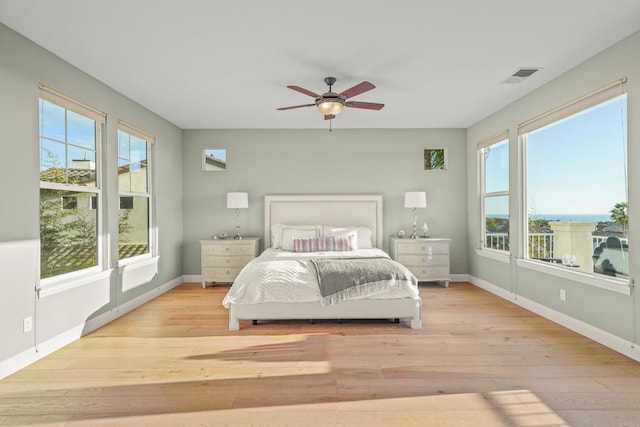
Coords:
479,360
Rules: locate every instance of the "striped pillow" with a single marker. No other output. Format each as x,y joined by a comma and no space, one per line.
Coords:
321,244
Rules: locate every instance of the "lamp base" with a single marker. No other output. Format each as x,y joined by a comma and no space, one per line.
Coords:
238,237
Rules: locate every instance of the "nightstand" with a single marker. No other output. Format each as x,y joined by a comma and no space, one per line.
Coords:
221,260
427,258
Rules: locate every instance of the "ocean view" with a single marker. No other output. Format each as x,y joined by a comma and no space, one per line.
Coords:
564,217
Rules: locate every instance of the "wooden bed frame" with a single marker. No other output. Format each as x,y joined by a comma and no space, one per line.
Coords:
335,210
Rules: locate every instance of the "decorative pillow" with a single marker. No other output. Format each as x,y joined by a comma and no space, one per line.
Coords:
363,235
289,234
276,232
322,244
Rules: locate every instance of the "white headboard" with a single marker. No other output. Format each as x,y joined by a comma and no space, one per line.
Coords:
363,210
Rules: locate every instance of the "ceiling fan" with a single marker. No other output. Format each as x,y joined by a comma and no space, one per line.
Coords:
330,103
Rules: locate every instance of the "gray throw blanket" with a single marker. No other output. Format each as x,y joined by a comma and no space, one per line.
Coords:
345,278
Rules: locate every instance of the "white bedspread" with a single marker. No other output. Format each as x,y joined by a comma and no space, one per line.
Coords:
283,276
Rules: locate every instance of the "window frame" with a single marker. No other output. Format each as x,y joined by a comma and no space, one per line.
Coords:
152,238
581,104
499,138
82,275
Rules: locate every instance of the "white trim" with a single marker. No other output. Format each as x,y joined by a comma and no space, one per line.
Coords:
499,137
101,320
598,96
137,132
459,278
501,256
605,338
137,273
64,101
192,278
32,355
57,286
610,284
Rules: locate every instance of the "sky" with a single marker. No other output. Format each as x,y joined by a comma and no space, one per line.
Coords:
574,166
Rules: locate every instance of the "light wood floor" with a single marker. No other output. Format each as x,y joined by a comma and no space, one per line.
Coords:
479,361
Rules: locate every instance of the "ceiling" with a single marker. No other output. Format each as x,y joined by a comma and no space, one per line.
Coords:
205,64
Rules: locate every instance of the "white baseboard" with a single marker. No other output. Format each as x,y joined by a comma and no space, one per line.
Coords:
605,338
101,320
192,278
45,348
460,278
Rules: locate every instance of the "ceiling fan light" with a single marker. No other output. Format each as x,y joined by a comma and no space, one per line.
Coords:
330,107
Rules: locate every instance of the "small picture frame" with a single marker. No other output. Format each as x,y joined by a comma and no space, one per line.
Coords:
214,159
435,159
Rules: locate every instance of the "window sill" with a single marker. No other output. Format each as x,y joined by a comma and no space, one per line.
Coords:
620,286
495,255
57,285
137,271
139,260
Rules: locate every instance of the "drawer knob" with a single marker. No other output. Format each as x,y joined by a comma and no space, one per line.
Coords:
227,272
227,249
227,260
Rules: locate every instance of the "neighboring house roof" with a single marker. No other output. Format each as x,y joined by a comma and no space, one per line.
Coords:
76,257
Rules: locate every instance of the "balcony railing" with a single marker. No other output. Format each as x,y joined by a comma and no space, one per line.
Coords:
540,245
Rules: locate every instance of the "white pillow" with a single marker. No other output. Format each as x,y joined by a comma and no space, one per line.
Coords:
288,234
363,235
276,232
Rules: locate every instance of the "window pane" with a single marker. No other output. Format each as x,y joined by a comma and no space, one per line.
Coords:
81,130
134,228
123,145
68,237
52,121
124,177
52,161
496,219
496,166
576,175
139,177
81,166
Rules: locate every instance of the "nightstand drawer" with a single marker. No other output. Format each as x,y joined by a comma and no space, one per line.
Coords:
230,249
427,258
423,260
423,273
222,260
226,261
222,275
423,248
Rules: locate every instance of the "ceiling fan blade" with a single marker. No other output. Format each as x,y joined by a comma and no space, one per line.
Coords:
305,91
329,116
356,90
295,106
365,105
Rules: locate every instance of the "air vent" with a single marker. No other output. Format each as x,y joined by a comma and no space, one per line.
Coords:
519,75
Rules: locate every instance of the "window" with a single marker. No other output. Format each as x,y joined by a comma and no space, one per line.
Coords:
134,191
493,156
69,161
576,184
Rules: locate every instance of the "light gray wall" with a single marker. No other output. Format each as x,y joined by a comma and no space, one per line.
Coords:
22,66
373,161
604,309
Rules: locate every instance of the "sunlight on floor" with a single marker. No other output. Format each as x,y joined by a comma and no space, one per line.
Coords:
513,408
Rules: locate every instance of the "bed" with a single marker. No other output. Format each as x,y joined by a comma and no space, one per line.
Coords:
283,284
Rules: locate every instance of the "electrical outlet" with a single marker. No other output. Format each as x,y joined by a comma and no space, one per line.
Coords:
27,324
563,295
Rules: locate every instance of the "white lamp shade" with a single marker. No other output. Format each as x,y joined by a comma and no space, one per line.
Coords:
415,199
237,200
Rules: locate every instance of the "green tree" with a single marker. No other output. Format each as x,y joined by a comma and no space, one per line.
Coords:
620,215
